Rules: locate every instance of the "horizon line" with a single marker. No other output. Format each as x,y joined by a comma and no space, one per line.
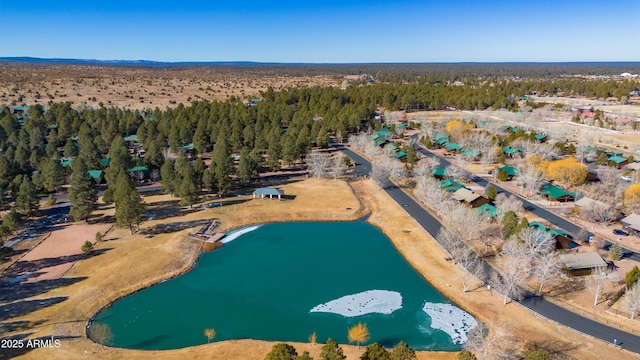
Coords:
30,59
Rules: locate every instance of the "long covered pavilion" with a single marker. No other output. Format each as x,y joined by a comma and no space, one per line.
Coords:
271,192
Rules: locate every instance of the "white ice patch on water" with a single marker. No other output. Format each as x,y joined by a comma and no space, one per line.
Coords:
367,302
237,233
450,319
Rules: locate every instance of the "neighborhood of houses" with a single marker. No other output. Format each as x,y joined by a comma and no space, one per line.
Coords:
580,253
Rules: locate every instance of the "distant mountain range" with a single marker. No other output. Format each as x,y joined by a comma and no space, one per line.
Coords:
35,60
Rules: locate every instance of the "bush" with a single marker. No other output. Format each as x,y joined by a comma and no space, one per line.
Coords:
282,351
466,355
86,247
539,354
631,277
615,252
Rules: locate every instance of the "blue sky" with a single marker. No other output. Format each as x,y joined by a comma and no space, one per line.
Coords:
323,31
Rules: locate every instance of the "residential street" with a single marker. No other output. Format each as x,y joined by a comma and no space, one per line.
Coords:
537,304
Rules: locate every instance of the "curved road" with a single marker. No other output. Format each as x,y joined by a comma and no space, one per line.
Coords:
535,303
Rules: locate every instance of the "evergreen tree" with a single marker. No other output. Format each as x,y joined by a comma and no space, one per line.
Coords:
129,204
491,192
631,277
53,175
200,169
70,149
86,247
169,177
12,220
426,142
27,199
602,158
119,160
331,351
524,224
282,351
509,224
412,155
82,195
615,252
188,190
502,175
248,165
402,351
322,140
375,351
222,164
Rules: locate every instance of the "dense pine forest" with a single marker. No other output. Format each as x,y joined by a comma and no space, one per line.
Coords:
38,144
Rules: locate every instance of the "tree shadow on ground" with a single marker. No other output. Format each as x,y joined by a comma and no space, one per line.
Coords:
19,325
31,266
173,227
567,287
12,292
23,307
31,344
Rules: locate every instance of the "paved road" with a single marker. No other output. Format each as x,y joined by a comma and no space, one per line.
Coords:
538,304
552,218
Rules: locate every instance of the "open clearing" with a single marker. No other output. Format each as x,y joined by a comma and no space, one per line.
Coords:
131,262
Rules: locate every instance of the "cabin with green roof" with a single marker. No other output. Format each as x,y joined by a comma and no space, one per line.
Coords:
513,151
438,173
131,139
487,210
540,137
556,193
618,161
451,185
470,153
509,170
453,147
97,176
563,239
401,156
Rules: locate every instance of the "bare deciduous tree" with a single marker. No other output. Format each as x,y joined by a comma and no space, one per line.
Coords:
472,266
511,274
632,299
318,163
530,178
359,141
457,173
337,167
101,333
380,175
596,282
546,268
536,243
600,213
506,203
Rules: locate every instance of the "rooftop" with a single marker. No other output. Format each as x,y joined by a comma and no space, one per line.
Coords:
583,260
268,191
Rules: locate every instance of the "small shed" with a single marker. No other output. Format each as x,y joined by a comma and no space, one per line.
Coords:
580,264
271,192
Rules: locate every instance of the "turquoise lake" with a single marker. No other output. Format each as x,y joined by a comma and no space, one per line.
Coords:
263,284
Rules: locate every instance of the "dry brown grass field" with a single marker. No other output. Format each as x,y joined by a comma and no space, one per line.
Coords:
143,87
124,266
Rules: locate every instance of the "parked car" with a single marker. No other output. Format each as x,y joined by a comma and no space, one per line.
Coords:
626,178
620,232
